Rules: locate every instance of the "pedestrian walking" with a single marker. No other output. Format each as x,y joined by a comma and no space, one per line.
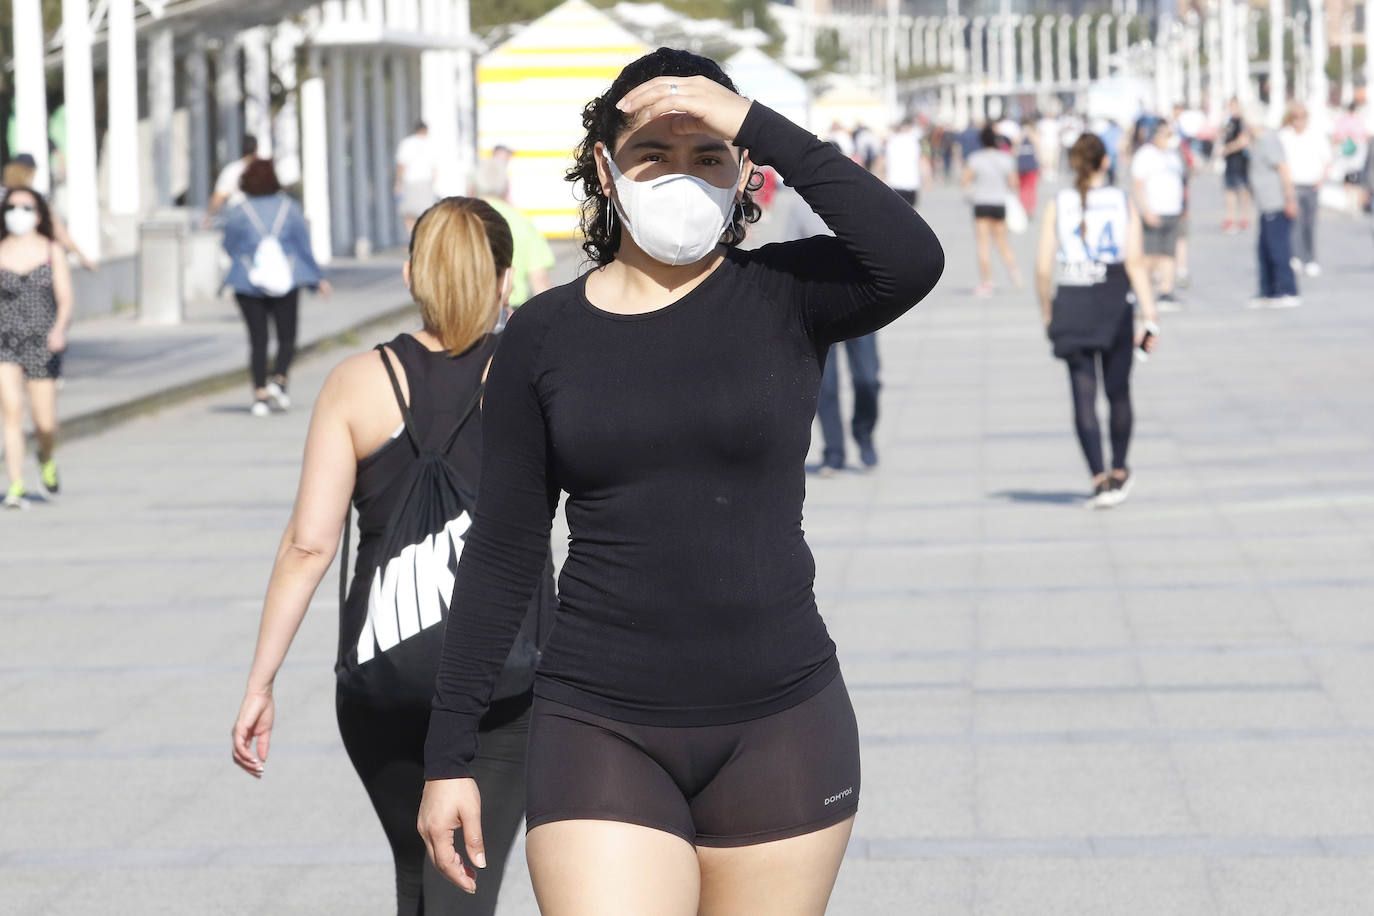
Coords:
386,422
1276,199
989,177
268,245
416,169
1235,151
19,173
712,756
1027,165
902,161
227,192
1091,259
1157,172
1351,140
1308,154
35,311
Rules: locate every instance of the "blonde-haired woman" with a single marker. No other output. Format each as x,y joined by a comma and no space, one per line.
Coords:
363,449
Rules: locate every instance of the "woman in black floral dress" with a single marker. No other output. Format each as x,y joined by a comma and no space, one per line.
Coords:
35,309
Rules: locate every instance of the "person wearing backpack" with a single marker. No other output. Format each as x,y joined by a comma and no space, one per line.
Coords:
270,262
1090,261
396,433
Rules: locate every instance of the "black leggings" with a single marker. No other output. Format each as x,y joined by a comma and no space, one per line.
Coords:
1116,378
387,749
284,310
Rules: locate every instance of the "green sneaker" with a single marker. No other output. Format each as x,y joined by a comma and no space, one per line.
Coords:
16,497
47,472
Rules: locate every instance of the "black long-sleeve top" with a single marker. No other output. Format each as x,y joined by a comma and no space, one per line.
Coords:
680,437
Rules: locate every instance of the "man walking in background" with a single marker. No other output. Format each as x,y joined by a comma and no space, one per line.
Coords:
1276,198
415,168
227,191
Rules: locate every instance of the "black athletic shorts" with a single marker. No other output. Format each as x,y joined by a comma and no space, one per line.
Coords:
780,776
990,211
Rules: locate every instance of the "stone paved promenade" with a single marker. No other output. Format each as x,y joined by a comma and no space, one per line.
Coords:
1167,708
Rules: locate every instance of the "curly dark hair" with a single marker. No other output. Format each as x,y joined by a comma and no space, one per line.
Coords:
604,122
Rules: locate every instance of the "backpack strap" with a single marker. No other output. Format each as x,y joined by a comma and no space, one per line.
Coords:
473,403
253,218
281,216
411,431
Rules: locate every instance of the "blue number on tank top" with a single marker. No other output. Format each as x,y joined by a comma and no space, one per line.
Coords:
1106,242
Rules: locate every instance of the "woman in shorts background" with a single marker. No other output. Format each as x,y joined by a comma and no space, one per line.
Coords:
693,749
1157,172
35,310
989,176
1089,262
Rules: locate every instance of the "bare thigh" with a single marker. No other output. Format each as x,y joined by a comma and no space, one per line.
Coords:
792,877
609,868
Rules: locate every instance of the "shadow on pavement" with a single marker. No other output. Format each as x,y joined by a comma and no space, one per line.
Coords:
1053,497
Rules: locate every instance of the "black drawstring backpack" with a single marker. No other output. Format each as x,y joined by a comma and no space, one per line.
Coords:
402,636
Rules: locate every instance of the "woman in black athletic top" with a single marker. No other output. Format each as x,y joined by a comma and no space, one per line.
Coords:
360,452
692,746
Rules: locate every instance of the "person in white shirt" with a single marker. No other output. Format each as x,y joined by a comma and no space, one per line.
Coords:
1157,180
227,191
415,168
1308,153
902,158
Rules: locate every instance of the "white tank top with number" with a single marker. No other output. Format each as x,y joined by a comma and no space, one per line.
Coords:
1095,238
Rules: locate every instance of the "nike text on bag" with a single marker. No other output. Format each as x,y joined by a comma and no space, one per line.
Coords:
398,650
270,270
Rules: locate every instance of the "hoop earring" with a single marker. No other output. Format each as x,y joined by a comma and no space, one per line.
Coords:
738,215
610,215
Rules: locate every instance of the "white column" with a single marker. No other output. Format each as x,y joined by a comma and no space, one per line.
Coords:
315,165
161,101
1244,88
1193,59
361,177
1369,61
1347,57
340,198
1104,47
1045,51
382,210
257,85
1008,30
1081,36
1302,55
1228,49
31,89
1123,38
228,96
1216,90
1278,76
932,41
83,189
198,121
121,138
1027,47
466,92
1065,70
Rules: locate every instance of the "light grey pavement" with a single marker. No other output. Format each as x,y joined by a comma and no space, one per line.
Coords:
1167,708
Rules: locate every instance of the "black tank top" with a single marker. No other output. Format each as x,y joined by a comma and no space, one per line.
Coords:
440,388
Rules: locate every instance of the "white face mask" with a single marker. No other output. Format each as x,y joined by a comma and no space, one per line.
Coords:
676,219
20,221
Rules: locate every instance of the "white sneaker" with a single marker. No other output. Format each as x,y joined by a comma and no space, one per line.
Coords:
1296,264
1313,270
277,397
15,500
1260,302
1286,302
260,408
